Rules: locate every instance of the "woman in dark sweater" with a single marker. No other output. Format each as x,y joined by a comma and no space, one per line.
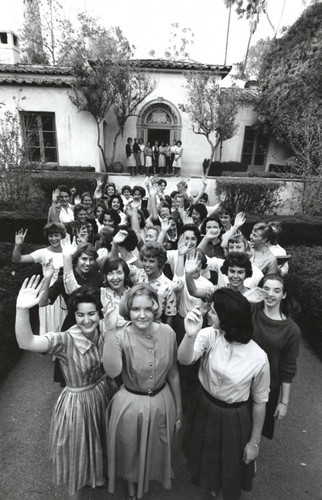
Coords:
279,337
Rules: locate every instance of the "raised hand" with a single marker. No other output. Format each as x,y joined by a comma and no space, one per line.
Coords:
182,246
111,317
99,182
165,225
240,219
68,247
29,294
193,322
191,264
55,195
77,200
120,236
20,236
255,295
48,269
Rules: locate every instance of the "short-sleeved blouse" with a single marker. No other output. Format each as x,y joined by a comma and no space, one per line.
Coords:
148,357
231,372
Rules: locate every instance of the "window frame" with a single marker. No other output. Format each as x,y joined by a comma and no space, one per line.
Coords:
255,144
40,132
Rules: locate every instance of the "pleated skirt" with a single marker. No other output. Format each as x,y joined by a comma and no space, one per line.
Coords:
214,442
140,430
78,436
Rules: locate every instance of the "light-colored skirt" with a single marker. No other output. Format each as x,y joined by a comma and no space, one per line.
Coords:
51,317
130,161
148,161
141,159
139,430
161,160
78,436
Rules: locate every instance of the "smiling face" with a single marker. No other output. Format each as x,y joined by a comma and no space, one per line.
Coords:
81,216
116,204
164,212
236,246
110,190
236,276
115,279
274,293
225,220
87,318
137,194
141,313
196,219
256,238
126,193
54,239
151,234
64,198
84,263
87,201
108,222
151,267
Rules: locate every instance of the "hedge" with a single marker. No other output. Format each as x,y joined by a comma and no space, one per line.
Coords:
249,195
305,280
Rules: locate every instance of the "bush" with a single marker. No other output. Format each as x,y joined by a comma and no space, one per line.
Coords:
254,196
217,167
305,277
11,278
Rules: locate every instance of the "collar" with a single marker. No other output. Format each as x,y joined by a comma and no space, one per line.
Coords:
80,340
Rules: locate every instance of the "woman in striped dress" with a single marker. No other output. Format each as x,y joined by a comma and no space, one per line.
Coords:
77,434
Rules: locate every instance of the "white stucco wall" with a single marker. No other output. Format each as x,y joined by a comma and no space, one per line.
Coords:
75,131
170,87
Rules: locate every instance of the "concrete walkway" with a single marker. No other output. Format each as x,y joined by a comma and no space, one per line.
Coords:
289,467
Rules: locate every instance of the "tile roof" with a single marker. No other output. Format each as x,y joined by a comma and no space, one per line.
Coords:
180,65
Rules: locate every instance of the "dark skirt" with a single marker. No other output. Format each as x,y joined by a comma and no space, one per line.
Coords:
214,442
269,423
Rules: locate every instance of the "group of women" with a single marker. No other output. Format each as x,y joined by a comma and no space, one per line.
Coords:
171,313
161,158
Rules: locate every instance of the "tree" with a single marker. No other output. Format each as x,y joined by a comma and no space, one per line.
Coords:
255,56
110,81
212,110
32,34
131,87
291,90
179,44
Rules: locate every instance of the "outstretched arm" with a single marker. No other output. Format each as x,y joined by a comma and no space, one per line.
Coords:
28,297
192,326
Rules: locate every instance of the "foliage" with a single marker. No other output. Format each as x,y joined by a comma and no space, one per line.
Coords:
14,165
249,195
179,44
291,104
211,109
254,59
31,38
305,277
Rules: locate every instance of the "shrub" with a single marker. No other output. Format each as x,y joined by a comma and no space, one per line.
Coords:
218,167
305,277
249,195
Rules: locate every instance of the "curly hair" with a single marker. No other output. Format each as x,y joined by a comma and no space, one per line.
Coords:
64,189
200,208
87,295
140,189
78,208
153,249
234,313
142,289
54,227
238,260
112,213
118,197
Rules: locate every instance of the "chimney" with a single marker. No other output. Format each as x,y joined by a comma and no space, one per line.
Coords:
9,48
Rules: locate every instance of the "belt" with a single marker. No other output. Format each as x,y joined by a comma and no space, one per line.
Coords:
86,387
150,392
221,403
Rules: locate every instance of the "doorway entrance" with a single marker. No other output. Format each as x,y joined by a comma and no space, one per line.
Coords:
158,134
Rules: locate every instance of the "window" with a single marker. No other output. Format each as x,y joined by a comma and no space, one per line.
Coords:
40,136
15,40
3,37
254,147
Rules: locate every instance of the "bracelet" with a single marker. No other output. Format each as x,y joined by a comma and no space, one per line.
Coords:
179,420
253,444
282,403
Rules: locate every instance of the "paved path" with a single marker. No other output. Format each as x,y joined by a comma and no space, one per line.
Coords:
289,467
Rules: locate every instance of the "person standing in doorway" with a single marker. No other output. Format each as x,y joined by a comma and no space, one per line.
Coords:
173,152
131,163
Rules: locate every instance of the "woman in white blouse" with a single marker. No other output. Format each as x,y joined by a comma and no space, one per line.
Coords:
224,428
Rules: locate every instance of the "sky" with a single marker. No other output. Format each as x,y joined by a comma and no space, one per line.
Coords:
148,26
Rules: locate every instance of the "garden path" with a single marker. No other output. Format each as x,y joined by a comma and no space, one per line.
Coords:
289,467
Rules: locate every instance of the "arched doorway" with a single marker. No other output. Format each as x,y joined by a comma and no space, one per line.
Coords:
159,120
